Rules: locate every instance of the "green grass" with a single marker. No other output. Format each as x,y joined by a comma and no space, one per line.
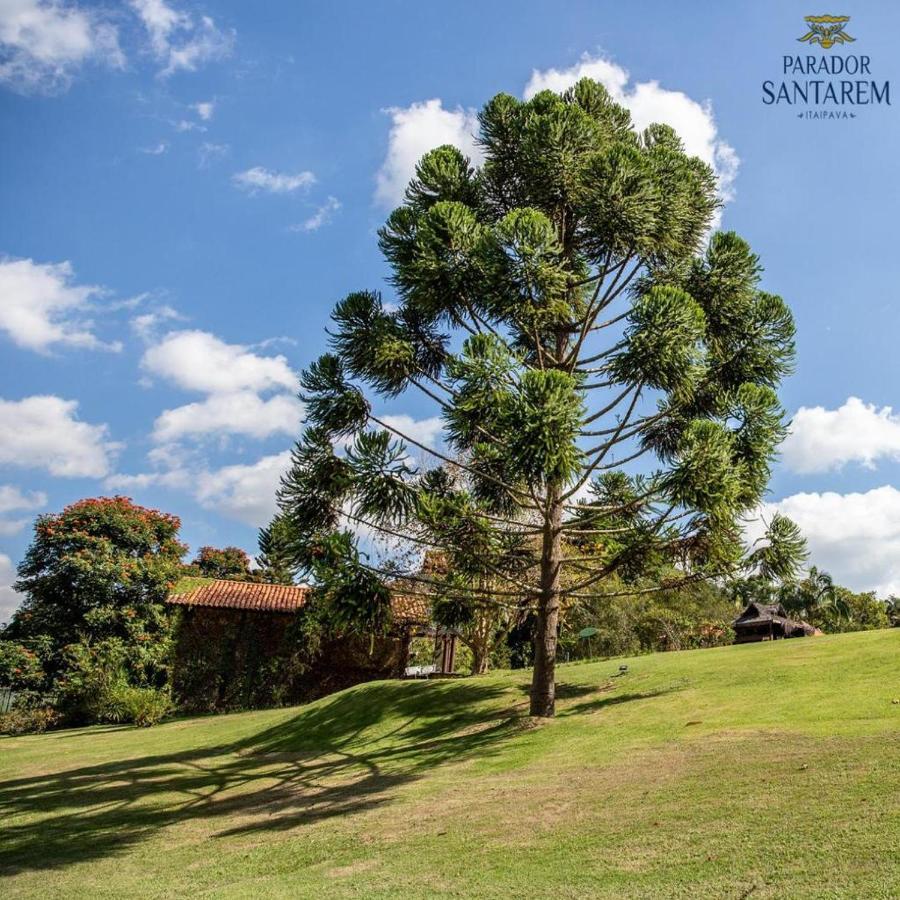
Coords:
766,770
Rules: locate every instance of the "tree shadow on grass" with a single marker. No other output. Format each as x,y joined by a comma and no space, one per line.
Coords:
599,703
343,755
567,690
347,753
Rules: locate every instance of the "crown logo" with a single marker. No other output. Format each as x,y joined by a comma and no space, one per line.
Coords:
826,31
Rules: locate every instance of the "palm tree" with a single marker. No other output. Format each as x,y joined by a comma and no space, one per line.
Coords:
813,596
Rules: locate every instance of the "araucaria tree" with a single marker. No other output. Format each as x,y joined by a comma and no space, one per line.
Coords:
604,367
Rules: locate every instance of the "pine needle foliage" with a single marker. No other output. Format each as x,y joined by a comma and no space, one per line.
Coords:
606,370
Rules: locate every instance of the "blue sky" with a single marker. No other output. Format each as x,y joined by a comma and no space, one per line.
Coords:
187,188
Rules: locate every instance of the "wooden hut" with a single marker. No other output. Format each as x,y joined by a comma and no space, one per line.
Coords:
768,622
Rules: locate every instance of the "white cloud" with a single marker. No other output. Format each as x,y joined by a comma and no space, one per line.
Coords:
160,20
260,179
824,439
322,216
9,527
174,467
188,125
855,537
425,431
176,479
156,149
42,432
199,361
232,376
44,42
145,325
243,412
205,109
244,492
11,499
415,130
178,41
209,151
40,305
649,103
9,599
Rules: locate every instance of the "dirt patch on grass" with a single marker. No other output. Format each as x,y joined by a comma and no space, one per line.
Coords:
357,868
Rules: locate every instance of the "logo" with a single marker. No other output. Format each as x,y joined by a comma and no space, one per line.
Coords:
827,85
826,31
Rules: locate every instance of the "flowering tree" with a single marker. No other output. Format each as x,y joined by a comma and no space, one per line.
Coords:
98,571
229,562
578,330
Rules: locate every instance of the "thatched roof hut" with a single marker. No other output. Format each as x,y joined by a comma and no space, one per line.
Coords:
768,622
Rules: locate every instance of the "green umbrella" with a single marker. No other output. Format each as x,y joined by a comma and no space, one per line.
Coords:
587,634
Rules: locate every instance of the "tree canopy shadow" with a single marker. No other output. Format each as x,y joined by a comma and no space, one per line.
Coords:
343,755
567,690
603,702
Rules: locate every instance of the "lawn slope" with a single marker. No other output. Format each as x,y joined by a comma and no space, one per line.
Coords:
766,770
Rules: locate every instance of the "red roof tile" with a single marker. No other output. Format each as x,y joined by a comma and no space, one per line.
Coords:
244,595
281,598
410,609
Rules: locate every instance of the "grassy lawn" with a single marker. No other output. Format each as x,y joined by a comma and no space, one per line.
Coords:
766,770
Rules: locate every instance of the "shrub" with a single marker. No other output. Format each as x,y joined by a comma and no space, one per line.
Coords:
141,706
97,689
28,720
93,672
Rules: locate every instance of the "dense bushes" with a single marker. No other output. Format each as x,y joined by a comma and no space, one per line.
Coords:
137,706
21,668
28,720
853,612
96,688
228,562
695,616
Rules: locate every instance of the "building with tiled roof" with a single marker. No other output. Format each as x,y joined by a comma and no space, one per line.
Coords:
237,646
220,593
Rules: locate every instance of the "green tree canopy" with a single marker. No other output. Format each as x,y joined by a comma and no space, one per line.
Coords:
276,554
227,562
567,312
98,571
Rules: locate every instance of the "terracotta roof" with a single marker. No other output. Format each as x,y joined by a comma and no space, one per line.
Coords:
410,609
281,598
244,595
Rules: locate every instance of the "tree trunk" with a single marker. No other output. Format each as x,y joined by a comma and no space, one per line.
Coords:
480,643
543,681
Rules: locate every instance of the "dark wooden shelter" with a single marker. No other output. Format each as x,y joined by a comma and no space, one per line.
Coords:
768,622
